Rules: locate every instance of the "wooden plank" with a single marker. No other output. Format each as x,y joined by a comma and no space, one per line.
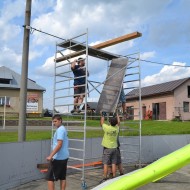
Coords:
44,167
94,164
91,51
102,45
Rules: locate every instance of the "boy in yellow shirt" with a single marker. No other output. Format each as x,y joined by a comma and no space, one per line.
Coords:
109,143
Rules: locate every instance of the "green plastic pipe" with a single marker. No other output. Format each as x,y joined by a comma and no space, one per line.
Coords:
153,172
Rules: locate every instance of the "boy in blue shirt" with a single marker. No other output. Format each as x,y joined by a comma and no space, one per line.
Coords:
59,155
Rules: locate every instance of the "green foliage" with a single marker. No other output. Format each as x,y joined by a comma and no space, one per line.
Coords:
30,136
131,128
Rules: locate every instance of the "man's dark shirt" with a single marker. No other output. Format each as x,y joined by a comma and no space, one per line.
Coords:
78,72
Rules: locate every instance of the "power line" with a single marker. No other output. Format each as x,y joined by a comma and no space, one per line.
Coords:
154,62
159,63
32,30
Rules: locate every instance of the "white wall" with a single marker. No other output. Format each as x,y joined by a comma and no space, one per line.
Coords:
18,161
181,95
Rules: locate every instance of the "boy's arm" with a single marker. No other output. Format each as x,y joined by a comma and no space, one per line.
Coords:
55,150
118,119
102,120
103,114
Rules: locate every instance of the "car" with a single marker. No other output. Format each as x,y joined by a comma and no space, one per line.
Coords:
48,113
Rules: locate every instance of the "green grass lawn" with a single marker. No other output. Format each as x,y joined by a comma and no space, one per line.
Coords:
148,128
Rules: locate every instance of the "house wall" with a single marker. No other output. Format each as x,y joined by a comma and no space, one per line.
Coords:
174,103
14,101
180,96
148,103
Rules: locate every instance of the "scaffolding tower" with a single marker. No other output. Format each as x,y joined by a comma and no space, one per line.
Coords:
66,53
64,99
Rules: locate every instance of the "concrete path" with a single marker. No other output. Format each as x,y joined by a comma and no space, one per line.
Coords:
180,180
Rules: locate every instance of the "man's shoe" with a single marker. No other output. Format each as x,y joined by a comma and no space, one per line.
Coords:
72,111
78,110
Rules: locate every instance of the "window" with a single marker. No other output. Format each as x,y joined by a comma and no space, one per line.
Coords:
5,81
188,91
186,106
4,100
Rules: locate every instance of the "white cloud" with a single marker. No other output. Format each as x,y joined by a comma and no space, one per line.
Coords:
47,69
167,73
12,9
10,58
147,55
103,19
7,33
35,54
39,6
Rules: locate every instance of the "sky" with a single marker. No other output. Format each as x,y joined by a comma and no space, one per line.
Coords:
164,25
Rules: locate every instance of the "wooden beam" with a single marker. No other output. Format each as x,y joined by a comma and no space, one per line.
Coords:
43,166
117,40
102,45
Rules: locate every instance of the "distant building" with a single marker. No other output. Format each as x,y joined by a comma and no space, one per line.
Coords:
164,101
10,92
91,107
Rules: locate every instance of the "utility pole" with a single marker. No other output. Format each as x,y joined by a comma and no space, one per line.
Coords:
24,75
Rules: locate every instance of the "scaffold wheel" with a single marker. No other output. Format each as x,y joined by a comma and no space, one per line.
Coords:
83,185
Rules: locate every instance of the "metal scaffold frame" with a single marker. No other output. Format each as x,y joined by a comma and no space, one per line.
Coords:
65,54
64,102
132,124
131,152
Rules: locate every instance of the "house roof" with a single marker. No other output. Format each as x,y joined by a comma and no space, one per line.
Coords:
162,88
6,73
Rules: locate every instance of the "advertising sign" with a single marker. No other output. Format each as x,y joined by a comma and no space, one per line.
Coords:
32,102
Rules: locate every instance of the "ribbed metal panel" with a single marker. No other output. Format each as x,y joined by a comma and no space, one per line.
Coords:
162,88
111,91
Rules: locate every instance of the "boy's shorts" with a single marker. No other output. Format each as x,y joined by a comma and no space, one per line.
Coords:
57,170
118,157
109,156
79,90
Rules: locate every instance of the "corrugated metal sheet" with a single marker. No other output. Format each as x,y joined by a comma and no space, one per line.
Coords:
5,74
112,87
15,78
162,88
